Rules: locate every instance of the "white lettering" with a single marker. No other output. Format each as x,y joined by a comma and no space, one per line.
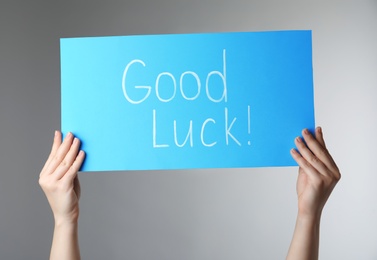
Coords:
157,85
227,129
202,132
155,145
197,81
138,87
223,77
189,134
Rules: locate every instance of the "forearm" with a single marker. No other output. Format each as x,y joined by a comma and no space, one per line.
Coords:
305,241
65,245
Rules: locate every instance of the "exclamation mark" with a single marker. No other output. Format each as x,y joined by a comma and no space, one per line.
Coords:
248,123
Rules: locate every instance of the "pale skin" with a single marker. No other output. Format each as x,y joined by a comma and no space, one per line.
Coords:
318,175
59,182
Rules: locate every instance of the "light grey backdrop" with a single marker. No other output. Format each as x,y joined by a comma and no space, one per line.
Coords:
194,214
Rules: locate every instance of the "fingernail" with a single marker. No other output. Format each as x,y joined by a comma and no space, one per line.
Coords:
319,129
298,139
75,140
306,131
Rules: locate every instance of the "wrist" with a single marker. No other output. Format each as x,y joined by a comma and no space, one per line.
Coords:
309,219
68,228
67,222
309,214
66,225
66,219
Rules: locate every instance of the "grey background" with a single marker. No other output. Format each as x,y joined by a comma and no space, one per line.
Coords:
193,214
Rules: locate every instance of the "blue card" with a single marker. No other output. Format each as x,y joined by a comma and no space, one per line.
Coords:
183,101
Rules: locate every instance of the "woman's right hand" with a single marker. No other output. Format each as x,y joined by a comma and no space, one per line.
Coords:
58,178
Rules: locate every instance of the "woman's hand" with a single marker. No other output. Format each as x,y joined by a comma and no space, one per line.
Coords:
318,173
58,178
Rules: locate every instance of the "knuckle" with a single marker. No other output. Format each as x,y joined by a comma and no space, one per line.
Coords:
41,182
305,163
63,164
314,160
71,172
337,176
46,184
322,152
58,158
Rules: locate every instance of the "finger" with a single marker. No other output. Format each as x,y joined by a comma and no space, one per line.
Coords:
55,145
69,158
319,136
310,158
319,150
305,166
60,154
75,167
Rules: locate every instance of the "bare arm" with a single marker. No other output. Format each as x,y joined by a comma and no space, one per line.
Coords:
58,179
318,175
